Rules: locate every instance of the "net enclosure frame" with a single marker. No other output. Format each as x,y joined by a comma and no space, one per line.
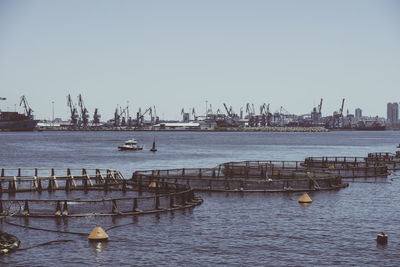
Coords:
68,192
248,176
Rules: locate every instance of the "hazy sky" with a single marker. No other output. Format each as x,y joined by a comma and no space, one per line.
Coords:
178,54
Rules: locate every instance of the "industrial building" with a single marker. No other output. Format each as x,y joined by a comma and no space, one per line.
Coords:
393,113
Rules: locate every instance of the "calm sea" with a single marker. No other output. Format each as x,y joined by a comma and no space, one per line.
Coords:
339,228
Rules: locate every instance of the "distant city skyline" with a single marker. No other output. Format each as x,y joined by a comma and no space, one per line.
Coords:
180,54
198,112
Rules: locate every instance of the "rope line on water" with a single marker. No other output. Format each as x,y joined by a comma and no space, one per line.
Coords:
120,225
43,229
47,243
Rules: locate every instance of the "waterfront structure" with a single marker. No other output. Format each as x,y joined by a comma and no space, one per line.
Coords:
177,126
358,113
14,121
393,113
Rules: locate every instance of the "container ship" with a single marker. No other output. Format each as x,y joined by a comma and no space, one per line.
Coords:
14,121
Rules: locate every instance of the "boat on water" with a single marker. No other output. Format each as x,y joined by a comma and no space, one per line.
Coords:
130,145
369,126
14,121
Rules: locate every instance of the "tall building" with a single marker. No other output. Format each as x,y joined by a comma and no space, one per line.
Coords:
393,113
358,113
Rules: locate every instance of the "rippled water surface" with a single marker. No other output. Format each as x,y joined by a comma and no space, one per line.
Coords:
338,228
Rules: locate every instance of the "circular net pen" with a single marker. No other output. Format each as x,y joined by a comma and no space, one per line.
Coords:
391,160
245,177
347,167
86,192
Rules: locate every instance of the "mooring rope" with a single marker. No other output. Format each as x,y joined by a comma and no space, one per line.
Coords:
118,226
47,243
43,229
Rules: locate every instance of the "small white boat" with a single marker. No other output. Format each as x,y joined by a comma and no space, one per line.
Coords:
130,145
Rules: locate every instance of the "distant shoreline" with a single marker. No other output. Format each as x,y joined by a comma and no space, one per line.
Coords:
247,129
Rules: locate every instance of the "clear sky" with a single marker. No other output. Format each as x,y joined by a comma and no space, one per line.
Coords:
180,54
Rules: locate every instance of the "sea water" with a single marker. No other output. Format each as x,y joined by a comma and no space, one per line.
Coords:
254,229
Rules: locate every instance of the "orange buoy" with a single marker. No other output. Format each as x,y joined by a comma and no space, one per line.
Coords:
305,198
98,234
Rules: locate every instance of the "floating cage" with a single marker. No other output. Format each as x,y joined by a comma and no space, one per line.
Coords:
247,176
347,167
391,160
86,192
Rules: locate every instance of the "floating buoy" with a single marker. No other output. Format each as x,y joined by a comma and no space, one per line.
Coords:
153,185
382,238
98,234
8,243
154,149
305,198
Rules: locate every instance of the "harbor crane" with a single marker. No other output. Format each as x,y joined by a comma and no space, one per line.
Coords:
265,115
116,118
74,112
186,115
118,114
140,116
154,118
123,114
194,114
249,111
320,107
341,109
316,114
96,117
84,111
337,118
28,110
250,115
228,111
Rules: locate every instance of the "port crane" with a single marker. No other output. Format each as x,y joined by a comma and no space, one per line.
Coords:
74,112
118,114
154,117
28,110
250,115
337,118
96,117
265,115
140,116
320,107
230,112
84,111
123,113
194,114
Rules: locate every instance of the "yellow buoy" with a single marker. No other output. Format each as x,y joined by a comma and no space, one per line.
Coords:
305,198
153,185
98,234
